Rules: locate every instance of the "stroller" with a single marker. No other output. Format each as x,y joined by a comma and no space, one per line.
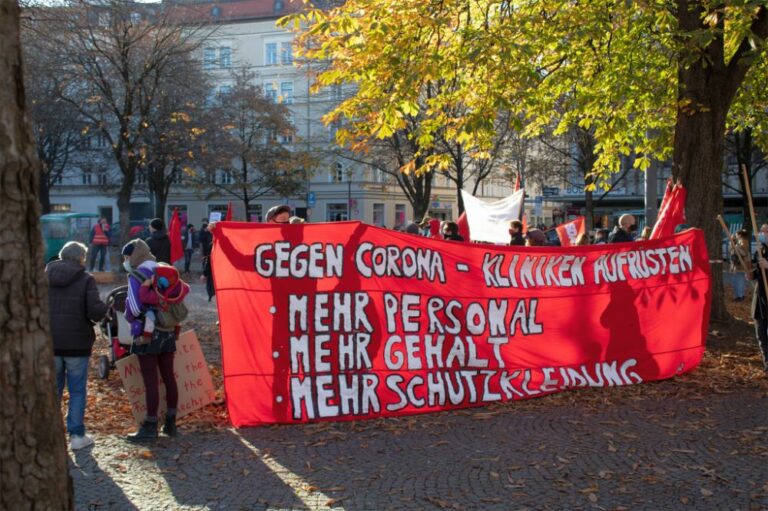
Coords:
116,330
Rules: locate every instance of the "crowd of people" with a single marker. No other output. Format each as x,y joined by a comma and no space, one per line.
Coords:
153,283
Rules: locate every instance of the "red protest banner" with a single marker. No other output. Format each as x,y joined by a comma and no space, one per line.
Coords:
348,321
569,232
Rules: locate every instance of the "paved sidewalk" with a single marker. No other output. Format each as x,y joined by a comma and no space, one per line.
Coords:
670,453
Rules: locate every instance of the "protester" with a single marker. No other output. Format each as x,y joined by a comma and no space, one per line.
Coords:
601,236
681,227
207,277
159,242
412,228
759,302
582,239
450,231
535,238
190,242
154,354
279,214
516,233
623,232
74,305
206,240
99,243
645,234
739,253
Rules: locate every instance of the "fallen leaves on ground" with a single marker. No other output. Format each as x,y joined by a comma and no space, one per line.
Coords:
731,365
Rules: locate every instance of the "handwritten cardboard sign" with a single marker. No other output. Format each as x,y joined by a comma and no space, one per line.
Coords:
192,378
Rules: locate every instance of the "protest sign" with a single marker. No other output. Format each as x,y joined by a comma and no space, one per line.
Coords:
192,378
569,232
347,321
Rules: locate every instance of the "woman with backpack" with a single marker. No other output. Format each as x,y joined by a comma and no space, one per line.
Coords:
156,350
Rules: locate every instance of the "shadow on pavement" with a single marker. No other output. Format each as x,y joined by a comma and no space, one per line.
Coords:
101,492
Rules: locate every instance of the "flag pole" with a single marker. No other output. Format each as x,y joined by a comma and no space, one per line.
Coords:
748,189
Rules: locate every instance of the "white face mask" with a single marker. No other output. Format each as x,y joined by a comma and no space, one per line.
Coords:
127,266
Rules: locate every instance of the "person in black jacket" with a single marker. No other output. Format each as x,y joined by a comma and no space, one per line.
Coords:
159,242
450,231
516,233
74,306
206,240
759,302
622,233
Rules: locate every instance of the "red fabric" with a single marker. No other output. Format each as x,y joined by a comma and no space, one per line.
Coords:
671,213
174,233
228,216
463,227
434,228
640,314
569,232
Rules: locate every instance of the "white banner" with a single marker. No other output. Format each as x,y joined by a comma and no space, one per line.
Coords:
489,222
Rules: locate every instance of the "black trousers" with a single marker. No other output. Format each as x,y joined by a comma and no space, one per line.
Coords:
761,331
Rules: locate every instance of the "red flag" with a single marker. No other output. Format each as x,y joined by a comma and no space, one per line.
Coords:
569,232
228,217
672,213
518,183
174,232
463,226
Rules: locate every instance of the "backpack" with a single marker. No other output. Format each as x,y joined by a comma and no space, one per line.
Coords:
171,311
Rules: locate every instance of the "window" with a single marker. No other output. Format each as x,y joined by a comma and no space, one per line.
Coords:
399,214
286,92
378,214
225,57
336,93
218,208
225,177
337,174
254,212
337,212
101,176
270,92
378,175
61,208
286,137
217,57
209,58
87,176
59,179
286,53
333,128
270,54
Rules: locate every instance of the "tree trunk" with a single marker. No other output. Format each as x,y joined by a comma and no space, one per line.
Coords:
33,459
698,162
124,213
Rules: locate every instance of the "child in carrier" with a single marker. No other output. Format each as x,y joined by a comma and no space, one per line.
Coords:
163,295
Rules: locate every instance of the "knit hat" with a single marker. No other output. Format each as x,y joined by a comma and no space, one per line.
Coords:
138,252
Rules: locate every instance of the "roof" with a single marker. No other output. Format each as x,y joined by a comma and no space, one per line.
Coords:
237,10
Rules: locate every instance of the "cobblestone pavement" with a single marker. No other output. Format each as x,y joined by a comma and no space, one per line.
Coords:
669,451
674,453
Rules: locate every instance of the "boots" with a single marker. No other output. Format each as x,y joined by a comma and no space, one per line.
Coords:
170,425
147,432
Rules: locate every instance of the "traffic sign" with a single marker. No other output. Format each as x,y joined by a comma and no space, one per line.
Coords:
311,200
